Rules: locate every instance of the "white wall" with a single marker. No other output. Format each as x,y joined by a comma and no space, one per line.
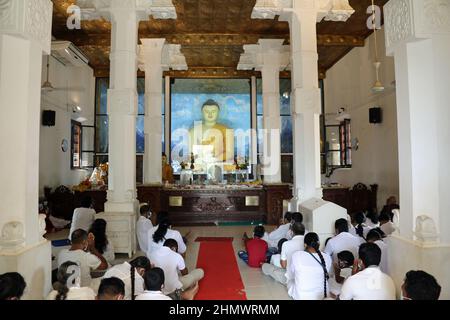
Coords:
348,85
54,168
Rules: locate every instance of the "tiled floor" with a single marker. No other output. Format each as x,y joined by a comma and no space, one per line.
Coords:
257,285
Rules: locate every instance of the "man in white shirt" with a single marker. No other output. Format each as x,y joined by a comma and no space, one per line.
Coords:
85,255
386,225
419,285
168,259
368,281
143,226
111,289
154,283
343,241
375,236
83,217
281,232
287,250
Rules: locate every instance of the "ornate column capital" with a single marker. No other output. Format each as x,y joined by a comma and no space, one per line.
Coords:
158,52
268,52
412,20
29,19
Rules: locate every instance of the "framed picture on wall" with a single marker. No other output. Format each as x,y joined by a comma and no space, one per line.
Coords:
76,140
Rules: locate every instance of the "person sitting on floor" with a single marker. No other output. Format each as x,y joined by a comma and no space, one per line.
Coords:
154,284
281,232
297,217
257,249
132,275
101,243
368,281
276,258
68,286
309,271
376,236
85,254
419,285
287,250
342,271
162,232
143,226
343,241
111,289
83,217
168,259
360,229
391,204
12,286
372,220
386,224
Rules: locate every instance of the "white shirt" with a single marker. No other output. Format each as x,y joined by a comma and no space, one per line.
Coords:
369,284
343,242
171,234
82,219
276,260
109,253
308,282
335,287
75,294
372,225
366,230
123,272
388,228
275,236
171,263
143,226
85,260
384,255
153,295
288,249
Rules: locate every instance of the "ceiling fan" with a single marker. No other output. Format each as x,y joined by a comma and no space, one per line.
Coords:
48,87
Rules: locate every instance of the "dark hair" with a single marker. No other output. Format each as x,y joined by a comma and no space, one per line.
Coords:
78,236
370,254
162,216
98,229
375,235
144,209
297,217
341,225
372,216
288,216
63,275
359,219
312,241
280,244
420,285
111,287
298,229
259,231
12,286
139,262
86,202
384,217
154,279
210,102
160,233
347,257
328,240
171,243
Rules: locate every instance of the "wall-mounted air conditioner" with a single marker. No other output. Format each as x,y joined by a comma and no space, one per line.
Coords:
68,54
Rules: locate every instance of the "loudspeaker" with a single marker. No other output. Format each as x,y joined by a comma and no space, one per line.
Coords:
375,115
49,118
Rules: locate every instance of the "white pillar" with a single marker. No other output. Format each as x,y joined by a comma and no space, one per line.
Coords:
418,36
122,108
24,35
307,103
151,52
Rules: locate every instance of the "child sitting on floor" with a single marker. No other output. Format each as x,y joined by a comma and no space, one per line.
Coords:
257,249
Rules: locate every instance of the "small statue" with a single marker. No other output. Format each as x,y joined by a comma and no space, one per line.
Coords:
192,161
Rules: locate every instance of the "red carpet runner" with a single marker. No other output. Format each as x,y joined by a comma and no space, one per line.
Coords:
222,277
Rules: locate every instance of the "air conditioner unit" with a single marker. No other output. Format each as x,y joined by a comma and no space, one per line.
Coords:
68,54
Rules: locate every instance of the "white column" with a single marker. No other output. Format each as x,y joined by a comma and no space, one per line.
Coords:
307,103
122,108
25,33
151,52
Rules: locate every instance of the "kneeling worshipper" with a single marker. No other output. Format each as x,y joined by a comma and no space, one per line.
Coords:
342,241
143,226
83,217
163,231
280,233
342,271
257,249
101,242
68,285
111,289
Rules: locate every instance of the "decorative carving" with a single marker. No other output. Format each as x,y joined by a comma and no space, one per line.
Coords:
341,11
436,14
212,204
12,236
42,224
398,23
426,230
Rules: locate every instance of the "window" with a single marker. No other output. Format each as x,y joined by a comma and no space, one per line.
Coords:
75,160
338,146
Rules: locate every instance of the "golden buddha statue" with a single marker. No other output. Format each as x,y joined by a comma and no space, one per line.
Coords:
167,171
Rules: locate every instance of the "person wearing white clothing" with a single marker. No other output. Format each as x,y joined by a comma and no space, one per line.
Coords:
143,226
360,229
83,217
154,283
343,241
280,233
111,289
342,270
386,225
131,273
177,276
102,244
368,281
161,233
376,236
287,250
310,270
